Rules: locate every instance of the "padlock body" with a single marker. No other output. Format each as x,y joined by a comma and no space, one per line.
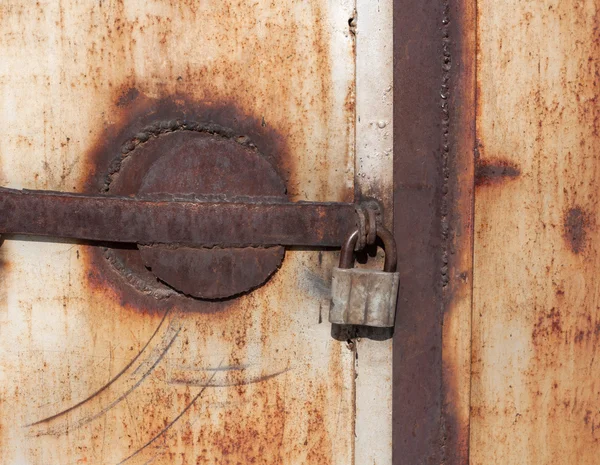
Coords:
363,297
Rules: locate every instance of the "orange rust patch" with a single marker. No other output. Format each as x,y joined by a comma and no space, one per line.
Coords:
535,336
547,324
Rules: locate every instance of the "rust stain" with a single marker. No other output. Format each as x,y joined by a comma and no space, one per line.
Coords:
108,149
458,102
4,269
252,415
108,152
492,172
536,334
127,97
547,324
576,225
114,390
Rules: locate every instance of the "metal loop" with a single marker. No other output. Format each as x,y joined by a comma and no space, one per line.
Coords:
347,253
389,246
368,219
361,238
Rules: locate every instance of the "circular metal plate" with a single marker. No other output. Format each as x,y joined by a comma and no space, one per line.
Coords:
197,163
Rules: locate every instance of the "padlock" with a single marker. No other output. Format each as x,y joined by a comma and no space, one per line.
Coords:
364,296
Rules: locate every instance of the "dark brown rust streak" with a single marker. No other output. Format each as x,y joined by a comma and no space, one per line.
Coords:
494,172
576,223
175,221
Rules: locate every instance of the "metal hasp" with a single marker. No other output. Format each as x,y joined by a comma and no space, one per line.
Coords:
192,222
207,212
173,233
364,296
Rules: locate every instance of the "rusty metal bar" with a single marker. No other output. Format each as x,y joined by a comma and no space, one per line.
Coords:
434,69
186,222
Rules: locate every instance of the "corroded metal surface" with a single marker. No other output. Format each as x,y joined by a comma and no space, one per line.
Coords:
536,320
93,371
199,187
201,160
433,177
212,273
417,135
175,221
458,89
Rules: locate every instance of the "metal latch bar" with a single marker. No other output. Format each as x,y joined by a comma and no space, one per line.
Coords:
197,222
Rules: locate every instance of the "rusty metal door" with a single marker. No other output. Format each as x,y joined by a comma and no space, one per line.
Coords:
497,161
97,365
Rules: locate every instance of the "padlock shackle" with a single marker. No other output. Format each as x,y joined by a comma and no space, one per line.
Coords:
389,246
347,253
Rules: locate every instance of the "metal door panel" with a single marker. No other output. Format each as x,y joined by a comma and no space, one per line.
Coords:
535,304
93,371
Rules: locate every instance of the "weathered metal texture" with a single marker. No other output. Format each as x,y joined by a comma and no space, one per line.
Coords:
363,297
374,178
536,324
458,94
197,159
170,183
214,273
433,193
175,221
92,371
190,158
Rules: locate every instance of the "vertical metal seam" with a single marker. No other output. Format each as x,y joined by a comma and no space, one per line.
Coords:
472,260
458,158
446,65
354,190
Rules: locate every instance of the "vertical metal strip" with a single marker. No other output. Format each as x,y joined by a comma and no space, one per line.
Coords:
459,39
374,178
433,194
